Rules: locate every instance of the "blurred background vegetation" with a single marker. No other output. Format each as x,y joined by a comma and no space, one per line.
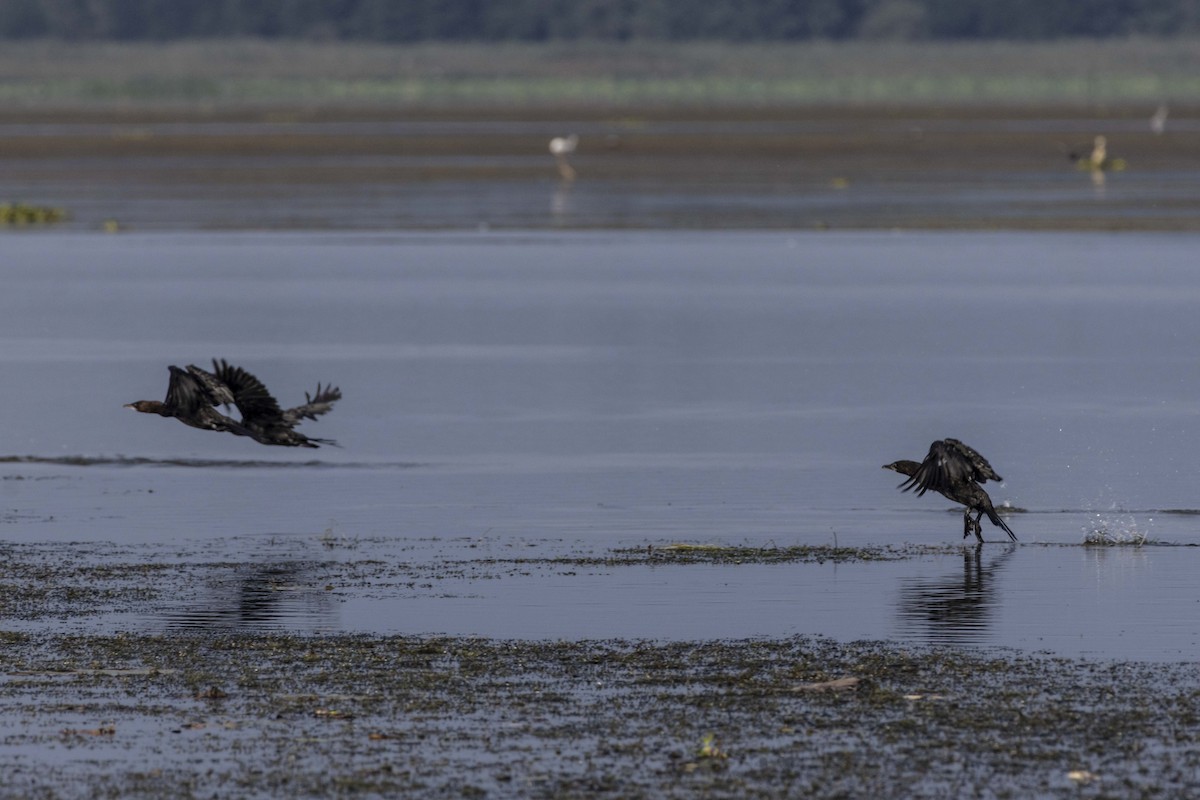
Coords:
1084,75
604,20
1065,54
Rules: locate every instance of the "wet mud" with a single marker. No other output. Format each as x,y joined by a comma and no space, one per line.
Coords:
212,705
635,168
258,716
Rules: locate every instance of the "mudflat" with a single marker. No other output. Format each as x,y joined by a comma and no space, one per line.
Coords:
810,167
263,715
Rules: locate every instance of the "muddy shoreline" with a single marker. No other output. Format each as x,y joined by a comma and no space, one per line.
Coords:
259,716
214,706
828,167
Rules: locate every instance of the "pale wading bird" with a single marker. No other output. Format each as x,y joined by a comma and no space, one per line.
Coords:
1158,122
193,394
1098,160
955,470
560,148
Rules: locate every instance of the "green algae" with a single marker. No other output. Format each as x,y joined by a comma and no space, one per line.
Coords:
27,214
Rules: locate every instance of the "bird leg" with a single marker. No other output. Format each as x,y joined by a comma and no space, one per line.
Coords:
966,522
978,527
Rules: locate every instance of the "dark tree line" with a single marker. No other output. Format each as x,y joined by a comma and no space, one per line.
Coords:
543,20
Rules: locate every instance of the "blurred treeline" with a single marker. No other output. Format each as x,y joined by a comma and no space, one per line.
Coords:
612,20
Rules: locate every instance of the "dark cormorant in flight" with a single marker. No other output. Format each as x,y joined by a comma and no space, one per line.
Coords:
192,397
193,394
955,470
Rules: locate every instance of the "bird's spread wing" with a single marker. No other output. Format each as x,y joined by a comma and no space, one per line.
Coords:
314,405
949,463
184,392
981,469
218,393
249,395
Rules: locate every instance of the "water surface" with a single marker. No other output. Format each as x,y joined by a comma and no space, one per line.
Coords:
513,400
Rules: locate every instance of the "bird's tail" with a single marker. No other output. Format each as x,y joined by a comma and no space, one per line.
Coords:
314,405
998,520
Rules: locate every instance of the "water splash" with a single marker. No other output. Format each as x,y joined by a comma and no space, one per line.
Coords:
1107,529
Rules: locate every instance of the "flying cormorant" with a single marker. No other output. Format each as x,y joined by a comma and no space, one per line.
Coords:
193,394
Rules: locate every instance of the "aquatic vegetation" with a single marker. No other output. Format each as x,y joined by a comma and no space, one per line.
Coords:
519,713
709,748
1107,165
687,553
26,214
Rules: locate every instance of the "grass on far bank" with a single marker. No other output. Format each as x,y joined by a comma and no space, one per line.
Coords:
220,73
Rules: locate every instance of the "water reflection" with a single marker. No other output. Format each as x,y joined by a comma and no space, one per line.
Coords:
955,609
560,201
262,596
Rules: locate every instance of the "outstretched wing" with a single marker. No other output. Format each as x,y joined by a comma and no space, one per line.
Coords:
949,463
249,395
982,470
218,394
314,405
185,393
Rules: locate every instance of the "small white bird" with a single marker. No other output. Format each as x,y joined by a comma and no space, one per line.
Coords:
1099,153
560,148
1158,122
564,145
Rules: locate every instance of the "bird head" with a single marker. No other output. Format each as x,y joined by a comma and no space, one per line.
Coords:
145,406
904,467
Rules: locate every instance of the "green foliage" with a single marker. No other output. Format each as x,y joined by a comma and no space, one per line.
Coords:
602,20
25,214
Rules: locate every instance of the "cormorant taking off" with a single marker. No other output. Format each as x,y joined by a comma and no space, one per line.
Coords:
193,394
955,470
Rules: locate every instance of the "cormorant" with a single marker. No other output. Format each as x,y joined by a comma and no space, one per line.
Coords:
192,397
955,470
261,414
193,394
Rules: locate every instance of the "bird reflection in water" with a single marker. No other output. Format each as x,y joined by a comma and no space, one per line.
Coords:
262,596
560,201
954,609
561,147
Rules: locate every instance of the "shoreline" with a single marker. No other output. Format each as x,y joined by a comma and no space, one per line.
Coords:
848,168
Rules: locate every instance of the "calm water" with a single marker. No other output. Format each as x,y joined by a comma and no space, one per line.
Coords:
512,399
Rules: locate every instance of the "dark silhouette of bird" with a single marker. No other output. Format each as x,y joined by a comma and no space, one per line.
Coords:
192,397
261,414
955,470
194,393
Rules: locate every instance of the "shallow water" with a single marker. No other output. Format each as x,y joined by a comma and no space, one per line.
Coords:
518,403
841,169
